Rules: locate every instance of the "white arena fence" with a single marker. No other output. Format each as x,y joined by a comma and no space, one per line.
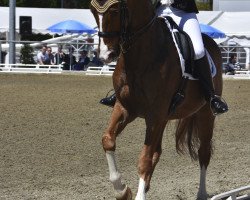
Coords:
234,194
239,74
104,70
30,68
36,68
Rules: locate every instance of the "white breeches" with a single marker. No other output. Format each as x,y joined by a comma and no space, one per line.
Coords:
188,22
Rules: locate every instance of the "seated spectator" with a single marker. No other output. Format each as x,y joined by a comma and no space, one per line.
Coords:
83,61
42,56
60,56
50,60
70,60
232,65
96,61
3,54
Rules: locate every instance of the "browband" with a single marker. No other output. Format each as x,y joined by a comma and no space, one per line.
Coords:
103,8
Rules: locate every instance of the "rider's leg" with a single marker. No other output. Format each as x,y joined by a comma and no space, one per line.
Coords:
202,70
190,25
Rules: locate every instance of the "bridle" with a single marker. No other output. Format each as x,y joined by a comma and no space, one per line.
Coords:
126,37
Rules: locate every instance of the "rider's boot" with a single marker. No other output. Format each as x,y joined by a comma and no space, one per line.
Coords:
203,72
109,101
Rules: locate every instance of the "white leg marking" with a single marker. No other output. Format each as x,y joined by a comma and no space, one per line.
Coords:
115,176
104,52
141,194
202,193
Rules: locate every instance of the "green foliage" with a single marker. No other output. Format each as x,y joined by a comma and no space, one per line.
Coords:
26,56
204,6
38,37
86,3
48,4
4,2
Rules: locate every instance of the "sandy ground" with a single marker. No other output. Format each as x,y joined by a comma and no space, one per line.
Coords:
50,143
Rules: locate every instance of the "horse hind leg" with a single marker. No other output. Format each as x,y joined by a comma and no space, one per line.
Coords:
119,119
205,125
195,134
149,158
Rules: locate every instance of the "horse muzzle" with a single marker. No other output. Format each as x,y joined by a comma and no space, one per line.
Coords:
109,55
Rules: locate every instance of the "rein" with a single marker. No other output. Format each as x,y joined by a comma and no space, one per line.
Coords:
126,42
126,37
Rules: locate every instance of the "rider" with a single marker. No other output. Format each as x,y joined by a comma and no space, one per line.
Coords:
184,13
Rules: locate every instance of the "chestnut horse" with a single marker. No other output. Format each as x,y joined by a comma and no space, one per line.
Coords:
145,80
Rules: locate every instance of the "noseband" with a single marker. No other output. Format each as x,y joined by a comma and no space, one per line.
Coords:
125,36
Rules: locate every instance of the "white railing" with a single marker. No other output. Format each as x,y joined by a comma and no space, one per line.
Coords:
30,68
104,70
234,194
246,72
238,74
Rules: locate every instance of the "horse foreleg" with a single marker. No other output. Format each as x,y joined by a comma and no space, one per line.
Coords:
123,192
156,158
119,119
205,127
143,186
149,157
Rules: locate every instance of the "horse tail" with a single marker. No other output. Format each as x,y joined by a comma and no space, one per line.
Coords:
186,136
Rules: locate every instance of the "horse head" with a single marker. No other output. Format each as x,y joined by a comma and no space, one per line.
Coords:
117,27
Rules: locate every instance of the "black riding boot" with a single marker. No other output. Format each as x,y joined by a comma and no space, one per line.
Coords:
203,72
109,101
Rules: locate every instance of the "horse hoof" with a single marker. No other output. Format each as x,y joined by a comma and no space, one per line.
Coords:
202,198
127,195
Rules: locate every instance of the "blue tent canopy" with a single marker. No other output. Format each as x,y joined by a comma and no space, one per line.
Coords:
211,31
71,26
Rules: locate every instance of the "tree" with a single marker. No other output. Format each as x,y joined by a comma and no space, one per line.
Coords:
26,56
211,4
49,4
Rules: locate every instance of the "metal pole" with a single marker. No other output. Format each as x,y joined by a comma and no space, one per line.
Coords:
12,31
61,3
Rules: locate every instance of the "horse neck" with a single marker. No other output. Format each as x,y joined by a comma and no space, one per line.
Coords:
140,14
141,11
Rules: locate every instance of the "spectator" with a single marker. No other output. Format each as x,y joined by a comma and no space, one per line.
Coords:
60,56
96,61
3,54
42,56
83,61
232,65
50,60
70,60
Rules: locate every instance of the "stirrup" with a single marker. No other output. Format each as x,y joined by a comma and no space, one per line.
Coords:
223,108
177,100
109,100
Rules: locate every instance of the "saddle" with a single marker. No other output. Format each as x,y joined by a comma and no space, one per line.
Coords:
186,48
185,45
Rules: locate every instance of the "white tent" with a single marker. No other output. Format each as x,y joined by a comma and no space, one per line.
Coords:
42,18
235,25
